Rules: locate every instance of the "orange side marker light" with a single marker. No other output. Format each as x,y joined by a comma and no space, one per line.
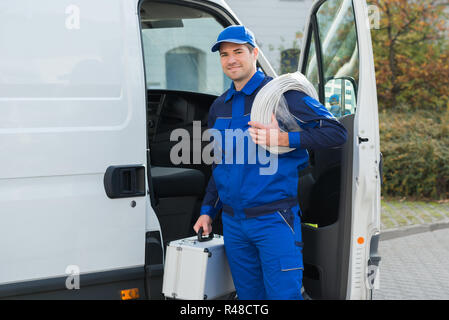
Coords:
130,294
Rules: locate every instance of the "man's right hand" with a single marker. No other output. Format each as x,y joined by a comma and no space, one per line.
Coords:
203,221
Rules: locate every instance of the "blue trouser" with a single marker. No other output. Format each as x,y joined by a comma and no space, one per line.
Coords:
265,254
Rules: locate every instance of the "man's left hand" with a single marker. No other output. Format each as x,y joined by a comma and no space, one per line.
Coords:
268,135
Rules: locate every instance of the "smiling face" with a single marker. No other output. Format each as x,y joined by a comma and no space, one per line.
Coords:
238,62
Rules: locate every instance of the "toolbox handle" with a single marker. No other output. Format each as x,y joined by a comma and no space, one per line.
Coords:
201,238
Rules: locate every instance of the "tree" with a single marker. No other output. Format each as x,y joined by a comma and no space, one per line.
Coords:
411,54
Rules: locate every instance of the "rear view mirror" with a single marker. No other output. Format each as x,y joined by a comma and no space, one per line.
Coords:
340,96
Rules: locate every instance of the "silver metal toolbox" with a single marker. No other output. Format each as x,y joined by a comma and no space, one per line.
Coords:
197,270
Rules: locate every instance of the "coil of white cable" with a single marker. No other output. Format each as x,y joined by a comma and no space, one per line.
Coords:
270,98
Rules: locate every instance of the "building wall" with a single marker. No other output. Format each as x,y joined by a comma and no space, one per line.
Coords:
275,23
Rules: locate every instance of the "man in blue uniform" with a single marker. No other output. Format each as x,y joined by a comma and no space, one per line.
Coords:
261,215
334,101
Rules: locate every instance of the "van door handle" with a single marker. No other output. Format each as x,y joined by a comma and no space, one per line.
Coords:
124,181
363,140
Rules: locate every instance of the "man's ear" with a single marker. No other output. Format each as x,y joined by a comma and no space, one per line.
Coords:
256,52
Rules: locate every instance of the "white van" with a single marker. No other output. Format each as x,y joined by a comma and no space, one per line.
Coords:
89,93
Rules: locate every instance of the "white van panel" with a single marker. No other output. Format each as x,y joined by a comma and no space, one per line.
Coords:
57,49
50,223
59,85
366,192
72,104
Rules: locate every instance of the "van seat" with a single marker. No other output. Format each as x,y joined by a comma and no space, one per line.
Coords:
177,182
178,193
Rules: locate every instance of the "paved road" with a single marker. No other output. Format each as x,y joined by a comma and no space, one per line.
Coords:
415,267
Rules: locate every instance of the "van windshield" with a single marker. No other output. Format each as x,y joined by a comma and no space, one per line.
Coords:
177,43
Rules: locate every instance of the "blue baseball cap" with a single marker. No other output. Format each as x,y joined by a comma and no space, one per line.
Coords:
235,34
334,98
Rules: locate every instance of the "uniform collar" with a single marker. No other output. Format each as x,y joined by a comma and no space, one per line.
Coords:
249,87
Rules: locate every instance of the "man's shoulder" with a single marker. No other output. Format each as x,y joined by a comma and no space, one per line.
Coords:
217,105
295,95
266,80
262,84
300,99
221,99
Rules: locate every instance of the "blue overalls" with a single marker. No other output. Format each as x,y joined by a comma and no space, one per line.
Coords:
261,214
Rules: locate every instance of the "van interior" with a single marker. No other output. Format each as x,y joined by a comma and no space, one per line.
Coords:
183,78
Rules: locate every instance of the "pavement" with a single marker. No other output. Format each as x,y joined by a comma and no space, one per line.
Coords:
414,248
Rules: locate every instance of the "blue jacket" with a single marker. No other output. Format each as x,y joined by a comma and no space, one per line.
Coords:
238,187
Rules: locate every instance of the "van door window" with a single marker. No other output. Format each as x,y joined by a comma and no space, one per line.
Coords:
333,57
177,43
340,58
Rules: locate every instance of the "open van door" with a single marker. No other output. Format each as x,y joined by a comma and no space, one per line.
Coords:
343,184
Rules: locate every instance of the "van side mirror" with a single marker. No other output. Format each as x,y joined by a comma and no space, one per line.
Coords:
341,96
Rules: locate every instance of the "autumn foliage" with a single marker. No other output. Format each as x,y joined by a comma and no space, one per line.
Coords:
415,147
412,54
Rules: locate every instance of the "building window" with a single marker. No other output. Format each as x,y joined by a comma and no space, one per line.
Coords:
184,69
289,60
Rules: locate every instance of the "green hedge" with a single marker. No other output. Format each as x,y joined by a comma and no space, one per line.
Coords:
415,148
